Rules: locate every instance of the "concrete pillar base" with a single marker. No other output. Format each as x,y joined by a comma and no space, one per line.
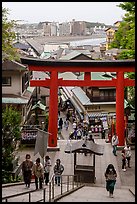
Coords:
50,149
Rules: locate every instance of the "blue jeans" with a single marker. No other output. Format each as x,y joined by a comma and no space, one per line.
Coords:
57,179
114,149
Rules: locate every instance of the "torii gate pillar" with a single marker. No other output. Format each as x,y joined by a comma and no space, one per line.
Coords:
53,110
120,124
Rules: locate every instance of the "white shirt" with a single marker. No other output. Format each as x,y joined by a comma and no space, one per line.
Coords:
114,140
47,166
127,151
74,125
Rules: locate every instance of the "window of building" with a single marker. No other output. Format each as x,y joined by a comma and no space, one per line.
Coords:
6,81
110,33
95,92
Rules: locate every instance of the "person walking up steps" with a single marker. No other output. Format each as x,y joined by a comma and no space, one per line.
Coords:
110,176
27,170
38,171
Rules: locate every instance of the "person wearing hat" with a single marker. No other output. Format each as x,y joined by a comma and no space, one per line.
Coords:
58,170
47,167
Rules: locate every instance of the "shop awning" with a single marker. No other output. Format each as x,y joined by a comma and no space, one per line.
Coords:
97,114
17,100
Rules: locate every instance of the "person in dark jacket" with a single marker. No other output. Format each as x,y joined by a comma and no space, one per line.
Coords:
58,170
27,165
110,176
103,134
60,123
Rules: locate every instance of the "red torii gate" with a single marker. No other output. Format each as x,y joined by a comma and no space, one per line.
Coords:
55,66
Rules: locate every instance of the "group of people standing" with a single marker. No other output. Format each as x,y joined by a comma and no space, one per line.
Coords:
125,153
41,172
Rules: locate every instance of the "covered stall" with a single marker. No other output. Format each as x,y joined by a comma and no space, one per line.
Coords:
86,173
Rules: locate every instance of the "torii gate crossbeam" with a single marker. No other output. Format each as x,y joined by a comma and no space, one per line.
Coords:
86,66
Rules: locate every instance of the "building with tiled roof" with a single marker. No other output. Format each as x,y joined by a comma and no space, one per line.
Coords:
110,33
76,54
21,46
15,87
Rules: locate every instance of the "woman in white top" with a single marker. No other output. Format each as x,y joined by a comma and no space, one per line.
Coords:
114,143
128,154
47,167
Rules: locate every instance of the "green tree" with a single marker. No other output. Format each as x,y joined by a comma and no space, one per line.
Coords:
125,39
130,90
125,36
11,120
8,36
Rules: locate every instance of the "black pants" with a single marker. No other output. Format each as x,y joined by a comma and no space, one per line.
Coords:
46,177
110,184
27,177
123,163
38,180
128,161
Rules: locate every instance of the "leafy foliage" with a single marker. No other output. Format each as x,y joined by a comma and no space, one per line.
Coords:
10,135
8,36
129,7
125,36
125,39
127,54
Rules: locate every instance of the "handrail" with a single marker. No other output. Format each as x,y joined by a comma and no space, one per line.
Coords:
19,194
69,183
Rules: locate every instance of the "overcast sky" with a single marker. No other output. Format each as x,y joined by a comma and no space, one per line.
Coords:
35,12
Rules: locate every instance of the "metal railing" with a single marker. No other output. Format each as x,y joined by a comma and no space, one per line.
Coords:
6,198
52,192
68,183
